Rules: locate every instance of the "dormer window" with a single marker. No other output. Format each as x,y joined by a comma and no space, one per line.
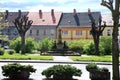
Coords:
69,21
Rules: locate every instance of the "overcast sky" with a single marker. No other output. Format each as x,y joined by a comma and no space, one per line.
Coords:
57,5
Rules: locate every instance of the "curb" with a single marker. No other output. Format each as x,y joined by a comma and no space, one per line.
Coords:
50,61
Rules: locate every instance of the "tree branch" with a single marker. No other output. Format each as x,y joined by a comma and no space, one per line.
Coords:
109,4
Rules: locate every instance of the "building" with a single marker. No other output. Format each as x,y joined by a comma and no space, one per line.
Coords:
44,24
76,26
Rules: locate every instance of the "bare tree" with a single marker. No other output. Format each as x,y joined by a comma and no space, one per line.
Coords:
22,24
96,31
114,8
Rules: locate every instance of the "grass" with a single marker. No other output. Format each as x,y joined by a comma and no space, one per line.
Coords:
93,58
17,56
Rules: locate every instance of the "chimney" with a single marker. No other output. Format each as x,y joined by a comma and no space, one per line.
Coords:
74,12
53,16
19,13
6,14
89,11
52,12
40,14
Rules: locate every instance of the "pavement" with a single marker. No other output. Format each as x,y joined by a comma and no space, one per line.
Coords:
56,59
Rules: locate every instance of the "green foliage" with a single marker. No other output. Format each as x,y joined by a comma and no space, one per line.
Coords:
15,68
30,45
16,44
10,52
90,49
78,46
62,71
2,51
46,44
106,44
93,67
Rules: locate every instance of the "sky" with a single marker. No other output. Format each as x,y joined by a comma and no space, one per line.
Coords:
57,5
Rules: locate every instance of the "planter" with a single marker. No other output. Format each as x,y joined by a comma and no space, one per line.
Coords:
62,77
17,71
23,75
99,75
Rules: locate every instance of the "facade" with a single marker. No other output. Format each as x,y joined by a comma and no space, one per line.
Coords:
44,24
76,26
7,23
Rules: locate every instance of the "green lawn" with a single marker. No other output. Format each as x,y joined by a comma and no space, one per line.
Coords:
25,57
92,58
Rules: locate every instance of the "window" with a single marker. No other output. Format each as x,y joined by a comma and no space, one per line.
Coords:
108,32
79,33
65,33
52,32
30,32
44,32
37,32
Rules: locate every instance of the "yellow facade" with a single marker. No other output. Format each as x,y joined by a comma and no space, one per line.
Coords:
75,33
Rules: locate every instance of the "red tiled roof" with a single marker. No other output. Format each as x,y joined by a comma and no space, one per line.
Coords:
46,19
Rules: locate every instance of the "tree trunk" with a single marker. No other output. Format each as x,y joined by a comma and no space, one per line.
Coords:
96,43
23,44
115,53
97,46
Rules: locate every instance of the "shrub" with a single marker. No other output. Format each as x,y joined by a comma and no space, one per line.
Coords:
46,44
106,43
2,51
10,52
90,49
93,67
30,45
61,72
78,45
16,44
13,70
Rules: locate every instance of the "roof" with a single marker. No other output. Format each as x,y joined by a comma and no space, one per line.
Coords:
11,17
79,20
46,20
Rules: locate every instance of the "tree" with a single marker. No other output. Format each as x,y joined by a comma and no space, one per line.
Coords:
96,31
114,8
22,24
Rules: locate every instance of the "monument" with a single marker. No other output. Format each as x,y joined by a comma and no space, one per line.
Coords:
59,47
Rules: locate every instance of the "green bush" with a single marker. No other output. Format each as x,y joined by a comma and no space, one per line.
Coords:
10,52
78,46
106,43
93,67
61,72
2,51
90,49
14,69
46,45
30,45
16,44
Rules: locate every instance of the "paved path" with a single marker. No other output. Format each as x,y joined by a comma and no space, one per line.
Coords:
62,59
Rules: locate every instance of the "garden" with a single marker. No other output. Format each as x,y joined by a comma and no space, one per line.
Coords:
55,72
